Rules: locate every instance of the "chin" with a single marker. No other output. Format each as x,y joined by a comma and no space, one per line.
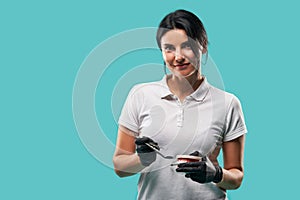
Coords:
184,73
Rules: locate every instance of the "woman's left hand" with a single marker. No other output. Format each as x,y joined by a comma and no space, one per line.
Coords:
202,172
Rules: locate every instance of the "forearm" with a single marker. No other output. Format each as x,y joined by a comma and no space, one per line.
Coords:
127,165
232,179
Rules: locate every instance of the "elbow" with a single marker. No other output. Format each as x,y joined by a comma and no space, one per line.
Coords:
120,173
118,170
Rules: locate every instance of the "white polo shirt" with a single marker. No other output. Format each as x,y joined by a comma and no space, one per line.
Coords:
202,122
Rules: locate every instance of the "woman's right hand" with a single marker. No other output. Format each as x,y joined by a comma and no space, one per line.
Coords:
146,154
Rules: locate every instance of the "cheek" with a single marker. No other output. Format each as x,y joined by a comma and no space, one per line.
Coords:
192,58
190,55
168,57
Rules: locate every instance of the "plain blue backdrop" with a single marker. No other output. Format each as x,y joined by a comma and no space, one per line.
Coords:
255,45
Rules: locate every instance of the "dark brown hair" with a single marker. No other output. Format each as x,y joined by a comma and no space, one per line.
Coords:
187,21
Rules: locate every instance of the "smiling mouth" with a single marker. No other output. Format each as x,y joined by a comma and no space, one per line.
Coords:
182,65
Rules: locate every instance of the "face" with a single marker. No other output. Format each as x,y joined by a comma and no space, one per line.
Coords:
178,54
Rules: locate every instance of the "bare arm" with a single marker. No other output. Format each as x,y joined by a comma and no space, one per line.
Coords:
126,162
233,155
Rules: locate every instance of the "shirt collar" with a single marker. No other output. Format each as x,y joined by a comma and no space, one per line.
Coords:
165,91
198,95
201,92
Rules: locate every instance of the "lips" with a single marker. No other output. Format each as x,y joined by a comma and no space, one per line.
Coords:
181,66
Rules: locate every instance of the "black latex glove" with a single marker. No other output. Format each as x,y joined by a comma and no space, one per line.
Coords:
146,154
201,172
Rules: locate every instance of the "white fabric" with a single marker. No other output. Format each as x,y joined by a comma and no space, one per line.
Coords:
203,121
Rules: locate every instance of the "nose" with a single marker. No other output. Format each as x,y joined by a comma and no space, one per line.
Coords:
178,56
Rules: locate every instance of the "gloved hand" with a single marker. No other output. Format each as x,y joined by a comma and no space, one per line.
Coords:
201,172
146,154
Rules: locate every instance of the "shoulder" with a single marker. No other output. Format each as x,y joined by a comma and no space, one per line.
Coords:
148,88
229,99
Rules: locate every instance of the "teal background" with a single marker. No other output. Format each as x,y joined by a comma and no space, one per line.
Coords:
255,45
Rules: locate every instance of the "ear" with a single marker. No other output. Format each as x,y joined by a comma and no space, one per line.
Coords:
203,49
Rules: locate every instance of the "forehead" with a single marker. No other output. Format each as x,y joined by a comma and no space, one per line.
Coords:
174,37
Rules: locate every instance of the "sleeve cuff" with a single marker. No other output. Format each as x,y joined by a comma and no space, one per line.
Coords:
129,126
233,135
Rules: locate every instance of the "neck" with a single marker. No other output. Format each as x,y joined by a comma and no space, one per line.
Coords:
184,86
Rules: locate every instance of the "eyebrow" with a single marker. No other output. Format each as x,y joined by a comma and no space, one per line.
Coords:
166,44
185,42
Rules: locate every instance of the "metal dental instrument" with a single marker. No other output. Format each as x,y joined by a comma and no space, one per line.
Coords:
155,149
158,152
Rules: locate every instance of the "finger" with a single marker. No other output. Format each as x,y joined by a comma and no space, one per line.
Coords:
188,175
195,153
191,164
200,178
142,140
188,169
143,149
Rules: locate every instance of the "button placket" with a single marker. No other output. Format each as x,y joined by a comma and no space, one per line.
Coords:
180,113
180,117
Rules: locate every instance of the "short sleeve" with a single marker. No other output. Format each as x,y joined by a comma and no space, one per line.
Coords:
235,123
129,117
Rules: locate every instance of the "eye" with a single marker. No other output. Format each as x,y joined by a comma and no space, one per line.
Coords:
169,48
186,46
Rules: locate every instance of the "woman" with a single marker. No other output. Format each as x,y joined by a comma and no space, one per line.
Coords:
181,114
